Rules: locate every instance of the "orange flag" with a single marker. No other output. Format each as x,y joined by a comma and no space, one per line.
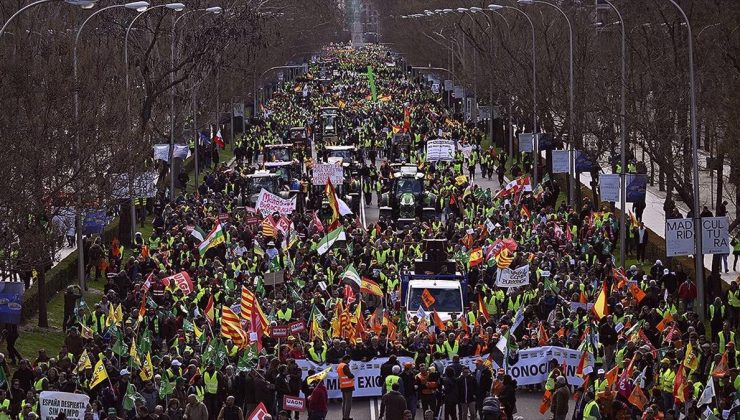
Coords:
611,376
438,321
638,398
542,337
582,298
546,401
664,322
722,369
638,294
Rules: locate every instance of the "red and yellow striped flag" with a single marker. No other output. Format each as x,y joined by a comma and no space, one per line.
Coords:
231,327
250,305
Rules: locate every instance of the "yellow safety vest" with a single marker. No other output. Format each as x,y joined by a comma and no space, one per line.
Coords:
389,381
211,382
587,411
723,340
451,350
6,405
284,316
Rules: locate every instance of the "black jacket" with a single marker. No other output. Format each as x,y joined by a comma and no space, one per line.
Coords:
468,389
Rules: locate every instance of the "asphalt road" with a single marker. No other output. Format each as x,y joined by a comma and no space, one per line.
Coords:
528,403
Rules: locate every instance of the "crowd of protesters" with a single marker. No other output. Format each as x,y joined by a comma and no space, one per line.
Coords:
167,352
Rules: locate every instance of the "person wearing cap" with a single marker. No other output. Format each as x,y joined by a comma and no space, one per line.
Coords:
174,371
112,414
600,384
560,398
408,383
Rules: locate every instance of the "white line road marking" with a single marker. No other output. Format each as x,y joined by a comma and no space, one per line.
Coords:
373,401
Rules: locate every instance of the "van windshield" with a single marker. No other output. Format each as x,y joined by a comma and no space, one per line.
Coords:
445,300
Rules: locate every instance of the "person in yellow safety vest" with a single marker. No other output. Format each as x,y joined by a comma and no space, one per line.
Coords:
317,352
733,296
666,378
514,303
725,336
392,379
284,313
346,385
231,348
98,319
717,314
31,402
554,373
174,371
4,406
40,382
600,384
211,380
452,346
591,409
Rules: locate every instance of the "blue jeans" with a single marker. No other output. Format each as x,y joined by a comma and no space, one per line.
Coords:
411,403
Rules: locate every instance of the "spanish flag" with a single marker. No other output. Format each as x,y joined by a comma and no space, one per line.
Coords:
370,287
331,195
476,257
482,309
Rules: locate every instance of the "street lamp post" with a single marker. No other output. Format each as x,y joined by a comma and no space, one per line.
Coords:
172,6
623,142
535,161
698,255
571,95
214,10
85,4
139,6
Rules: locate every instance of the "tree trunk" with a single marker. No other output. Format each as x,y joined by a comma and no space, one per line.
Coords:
43,315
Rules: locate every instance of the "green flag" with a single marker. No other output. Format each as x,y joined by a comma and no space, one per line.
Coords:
187,326
130,398
166,388
249,359
402,323
371,83
145,343
119,347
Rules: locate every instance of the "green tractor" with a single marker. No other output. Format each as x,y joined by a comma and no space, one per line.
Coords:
407,200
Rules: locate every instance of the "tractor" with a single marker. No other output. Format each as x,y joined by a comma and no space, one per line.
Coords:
406,201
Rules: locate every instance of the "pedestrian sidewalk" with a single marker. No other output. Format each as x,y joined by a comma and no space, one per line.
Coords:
654,217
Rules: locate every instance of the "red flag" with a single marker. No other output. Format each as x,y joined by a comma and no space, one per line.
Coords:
259,413
218,139
406,119
317,223
349,294
582,298
582,364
